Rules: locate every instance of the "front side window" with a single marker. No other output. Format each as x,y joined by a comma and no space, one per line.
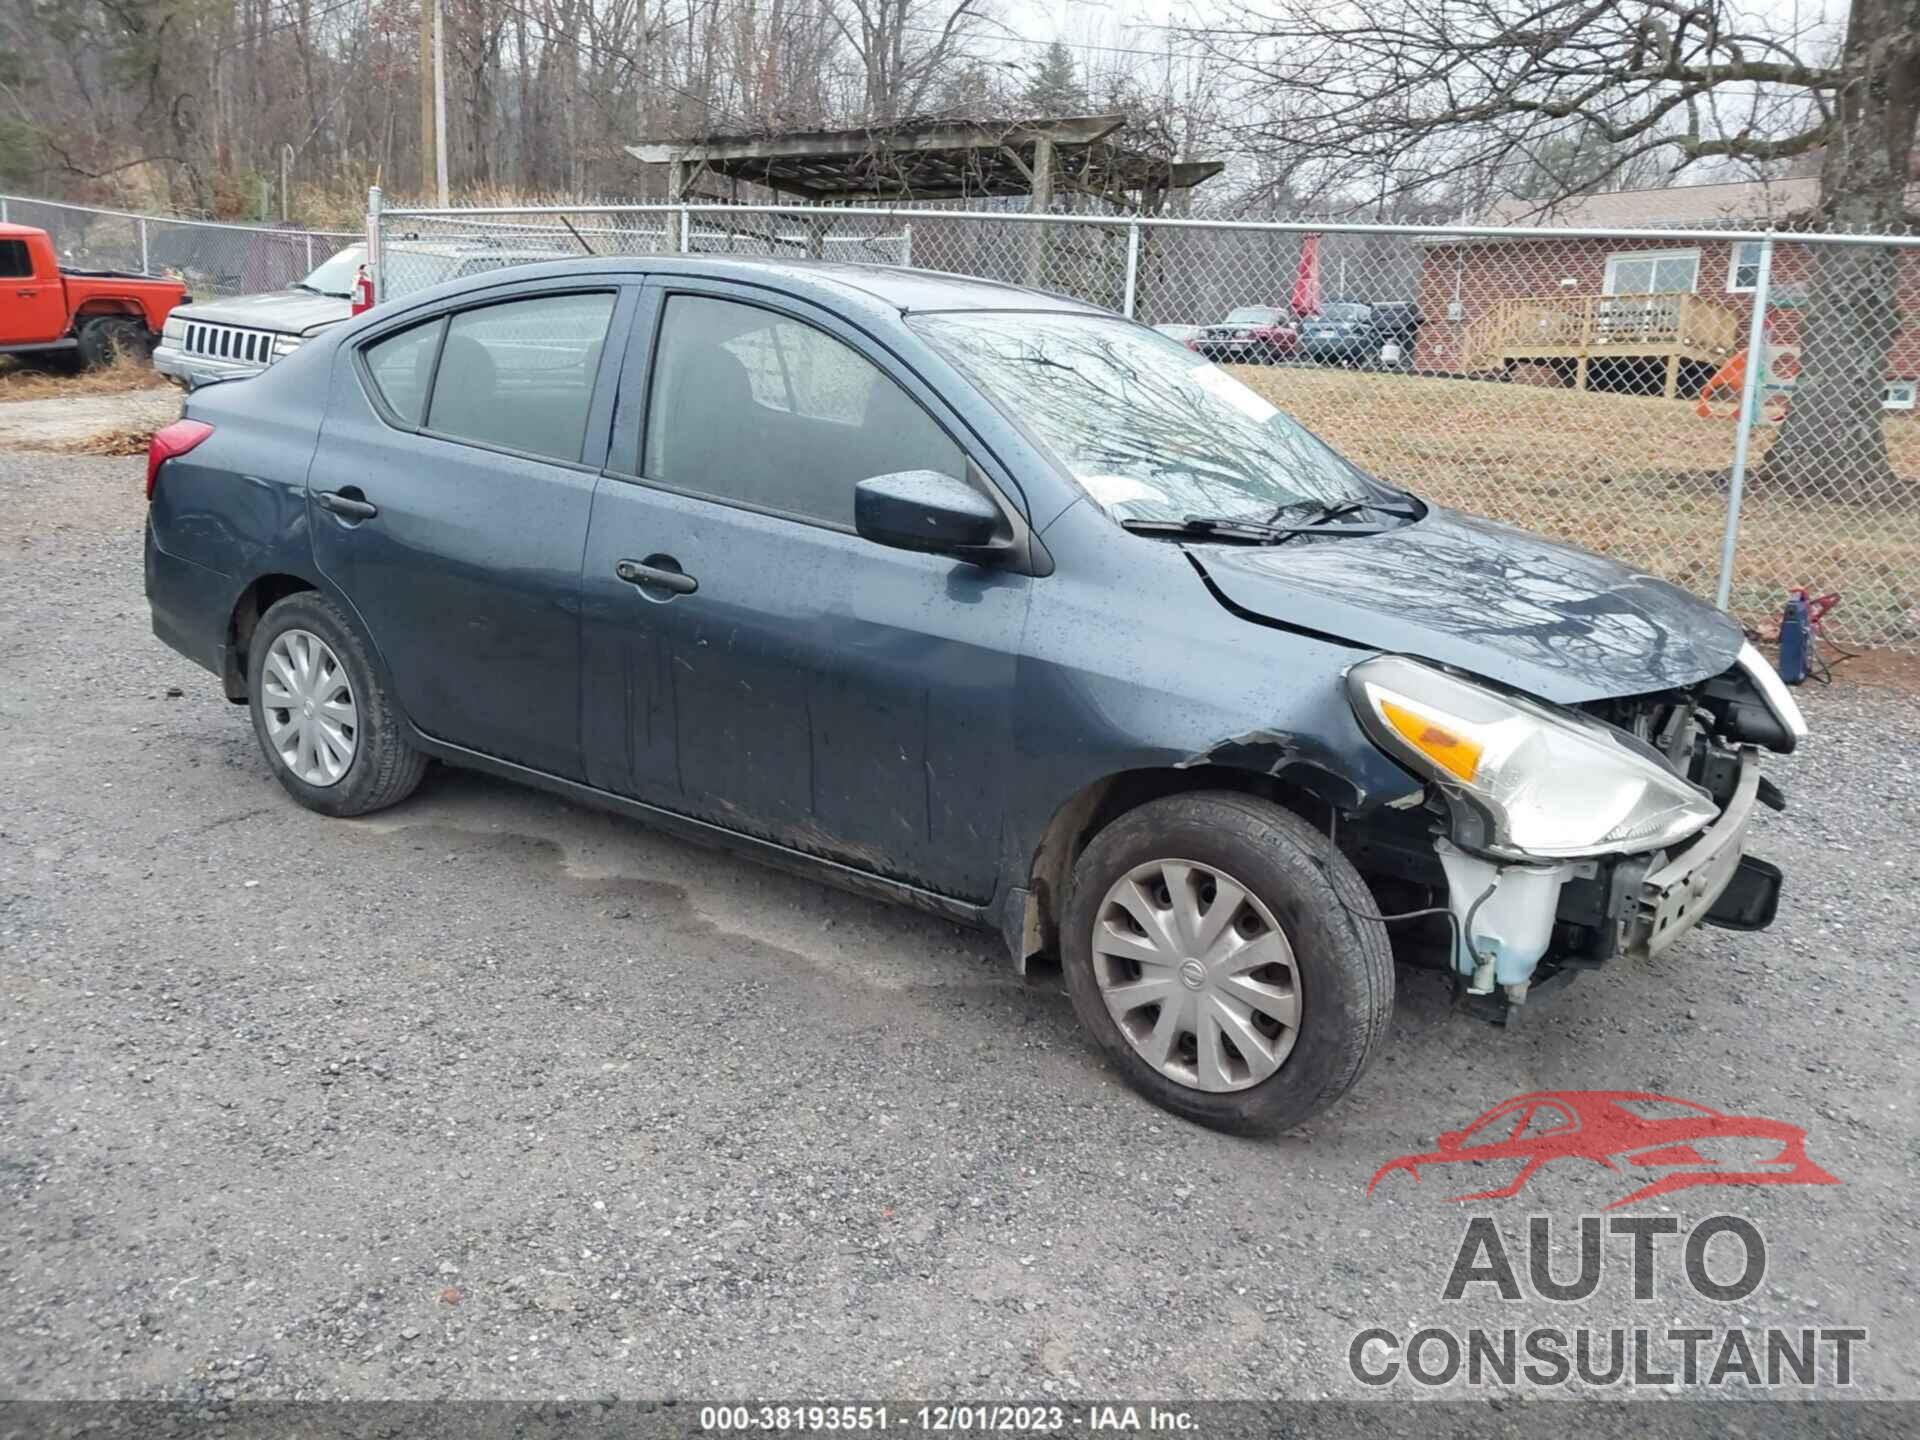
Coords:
15,262
752,408
1148,430
520,374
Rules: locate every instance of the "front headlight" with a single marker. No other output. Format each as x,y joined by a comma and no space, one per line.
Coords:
1526,779
285,345
174,331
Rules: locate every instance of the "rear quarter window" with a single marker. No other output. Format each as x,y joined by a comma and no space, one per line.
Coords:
401,367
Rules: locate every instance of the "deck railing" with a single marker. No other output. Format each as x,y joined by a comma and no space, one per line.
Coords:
1593,326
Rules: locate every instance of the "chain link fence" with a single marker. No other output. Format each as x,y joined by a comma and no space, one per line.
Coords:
214,259
1729,410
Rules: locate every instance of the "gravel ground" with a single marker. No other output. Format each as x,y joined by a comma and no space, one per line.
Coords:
69,419
494,1096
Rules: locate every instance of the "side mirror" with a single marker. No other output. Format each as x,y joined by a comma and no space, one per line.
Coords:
927,511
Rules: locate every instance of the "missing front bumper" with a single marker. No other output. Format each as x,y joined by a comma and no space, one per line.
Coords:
1685,890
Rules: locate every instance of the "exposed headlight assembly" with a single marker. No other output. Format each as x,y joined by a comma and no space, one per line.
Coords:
285,345
173,330
1524,779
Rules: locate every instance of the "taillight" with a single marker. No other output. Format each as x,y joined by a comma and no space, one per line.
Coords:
169,441
362,292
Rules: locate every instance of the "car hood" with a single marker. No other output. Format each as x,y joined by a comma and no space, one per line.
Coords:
291,312
1548,619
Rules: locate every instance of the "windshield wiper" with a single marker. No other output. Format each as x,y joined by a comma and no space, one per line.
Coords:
1320,512
1221,526
1253,532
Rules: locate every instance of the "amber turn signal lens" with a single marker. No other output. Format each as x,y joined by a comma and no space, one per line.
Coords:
1453,753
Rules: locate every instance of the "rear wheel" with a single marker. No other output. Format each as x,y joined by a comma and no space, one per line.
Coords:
1211,947
104,338
324,721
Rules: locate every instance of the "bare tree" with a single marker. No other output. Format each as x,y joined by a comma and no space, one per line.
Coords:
905,47
1426,92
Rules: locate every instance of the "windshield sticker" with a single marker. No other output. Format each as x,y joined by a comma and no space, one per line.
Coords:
1218,383
1118,490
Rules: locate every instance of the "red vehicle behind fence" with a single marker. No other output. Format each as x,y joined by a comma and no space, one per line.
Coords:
91,314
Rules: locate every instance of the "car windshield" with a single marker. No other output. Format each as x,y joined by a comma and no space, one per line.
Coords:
1149,431
1338,311
1254,314
334,276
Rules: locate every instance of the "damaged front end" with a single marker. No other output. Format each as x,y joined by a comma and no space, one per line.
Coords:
1562,837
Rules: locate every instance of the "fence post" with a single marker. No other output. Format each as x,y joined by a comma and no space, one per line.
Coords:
145,269
309,252
686,229
906,244
3,209
1133,265
373,238
1743,423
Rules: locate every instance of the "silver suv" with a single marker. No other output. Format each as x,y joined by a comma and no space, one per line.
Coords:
223,339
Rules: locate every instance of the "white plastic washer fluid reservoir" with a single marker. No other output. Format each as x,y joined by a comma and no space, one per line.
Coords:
1511,926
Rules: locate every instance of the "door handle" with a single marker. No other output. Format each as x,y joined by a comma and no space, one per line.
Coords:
347,507
654,577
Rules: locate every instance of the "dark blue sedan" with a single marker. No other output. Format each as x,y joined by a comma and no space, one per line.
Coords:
985,601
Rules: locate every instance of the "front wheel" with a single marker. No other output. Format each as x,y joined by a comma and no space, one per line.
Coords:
1211,945
323,719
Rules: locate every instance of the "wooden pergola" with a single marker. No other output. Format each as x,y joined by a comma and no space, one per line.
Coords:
934,160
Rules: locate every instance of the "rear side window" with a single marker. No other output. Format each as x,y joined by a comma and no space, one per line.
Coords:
15,262
520,374
402,367
750,407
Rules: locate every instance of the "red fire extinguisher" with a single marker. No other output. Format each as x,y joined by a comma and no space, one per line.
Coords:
362,292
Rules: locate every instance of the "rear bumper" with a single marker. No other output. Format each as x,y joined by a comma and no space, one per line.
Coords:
192,370
190,605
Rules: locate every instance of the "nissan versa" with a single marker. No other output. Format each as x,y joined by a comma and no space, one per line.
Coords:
979,599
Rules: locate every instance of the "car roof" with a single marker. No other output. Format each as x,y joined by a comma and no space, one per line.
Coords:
890,287
10,231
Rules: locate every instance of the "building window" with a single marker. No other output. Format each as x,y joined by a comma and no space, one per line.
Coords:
1652,272
1743,271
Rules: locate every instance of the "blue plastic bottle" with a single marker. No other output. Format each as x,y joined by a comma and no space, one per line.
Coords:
1794,635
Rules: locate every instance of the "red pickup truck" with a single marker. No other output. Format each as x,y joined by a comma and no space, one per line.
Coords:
91,314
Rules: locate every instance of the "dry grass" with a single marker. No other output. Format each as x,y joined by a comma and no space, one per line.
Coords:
21,381
1640,478
111,443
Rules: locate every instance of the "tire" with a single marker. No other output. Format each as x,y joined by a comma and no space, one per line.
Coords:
104,337
383,769
1341,976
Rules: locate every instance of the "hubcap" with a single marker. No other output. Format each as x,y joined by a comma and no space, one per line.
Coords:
311,721
1197,974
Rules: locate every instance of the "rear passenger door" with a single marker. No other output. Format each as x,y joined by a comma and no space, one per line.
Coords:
796,682
449,500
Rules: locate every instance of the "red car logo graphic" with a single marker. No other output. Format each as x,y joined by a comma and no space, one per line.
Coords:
1629,1130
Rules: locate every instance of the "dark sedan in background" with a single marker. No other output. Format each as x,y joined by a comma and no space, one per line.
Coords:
1350,332
977,599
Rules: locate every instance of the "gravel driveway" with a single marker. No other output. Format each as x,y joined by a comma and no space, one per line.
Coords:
494,1096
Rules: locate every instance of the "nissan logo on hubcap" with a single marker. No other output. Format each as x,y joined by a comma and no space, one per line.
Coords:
1193,974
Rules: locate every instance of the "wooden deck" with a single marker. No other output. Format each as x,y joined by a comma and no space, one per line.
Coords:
1664,330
